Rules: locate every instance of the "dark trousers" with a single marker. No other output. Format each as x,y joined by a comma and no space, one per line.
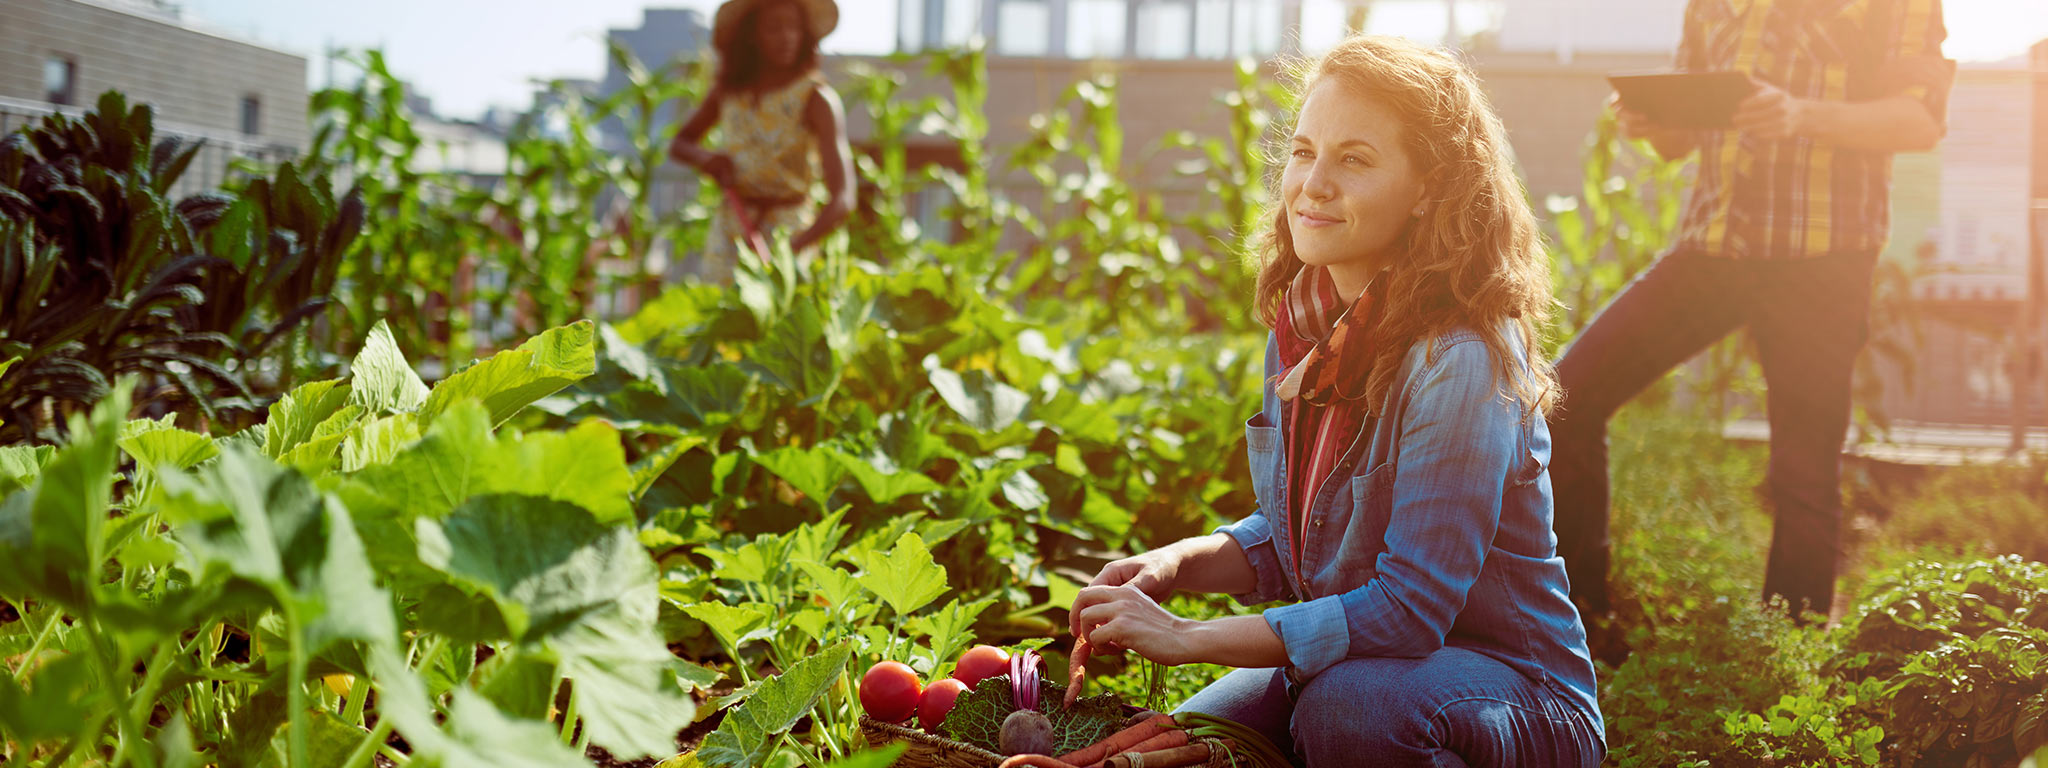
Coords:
1809,318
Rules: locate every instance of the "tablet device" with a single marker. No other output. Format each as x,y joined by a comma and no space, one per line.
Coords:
1692,100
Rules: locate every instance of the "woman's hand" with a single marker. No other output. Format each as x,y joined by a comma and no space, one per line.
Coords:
716,165
1126,618
1153,573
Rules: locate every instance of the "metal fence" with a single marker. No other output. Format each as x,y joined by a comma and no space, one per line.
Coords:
212,167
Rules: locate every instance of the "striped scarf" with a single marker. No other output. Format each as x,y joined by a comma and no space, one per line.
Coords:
1327,346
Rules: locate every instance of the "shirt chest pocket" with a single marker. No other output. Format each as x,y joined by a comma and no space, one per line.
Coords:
1352,535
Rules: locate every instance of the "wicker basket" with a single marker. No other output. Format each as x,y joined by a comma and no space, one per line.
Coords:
924,750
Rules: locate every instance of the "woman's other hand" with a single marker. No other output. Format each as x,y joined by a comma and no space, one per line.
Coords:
1152,573
1126,618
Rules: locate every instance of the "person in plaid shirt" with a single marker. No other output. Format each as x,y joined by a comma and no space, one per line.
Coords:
1787,216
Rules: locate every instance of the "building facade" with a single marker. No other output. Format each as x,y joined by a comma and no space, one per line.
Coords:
242,98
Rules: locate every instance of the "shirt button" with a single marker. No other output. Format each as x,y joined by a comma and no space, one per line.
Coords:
1319,522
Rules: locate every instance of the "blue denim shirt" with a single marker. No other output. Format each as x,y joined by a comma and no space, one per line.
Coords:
1433,530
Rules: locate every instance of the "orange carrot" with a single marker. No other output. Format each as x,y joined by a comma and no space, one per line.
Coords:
1177,757
1167,740
1077,669
1035,761
1122,741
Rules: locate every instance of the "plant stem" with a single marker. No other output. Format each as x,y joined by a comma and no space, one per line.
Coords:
569,715
145,698
358,694
295,689
42,636
363,751
393,755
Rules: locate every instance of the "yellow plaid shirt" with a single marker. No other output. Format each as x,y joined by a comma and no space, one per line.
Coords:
1797,198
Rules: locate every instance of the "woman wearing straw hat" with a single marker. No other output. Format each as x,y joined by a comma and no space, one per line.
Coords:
778,114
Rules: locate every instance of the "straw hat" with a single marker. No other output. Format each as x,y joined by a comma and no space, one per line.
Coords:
822,14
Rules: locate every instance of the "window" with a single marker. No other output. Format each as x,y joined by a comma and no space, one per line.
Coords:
1164,29
924,25
910,25
1023,28
1095,28
961,21
1212,29
60,80
252,115
1255,28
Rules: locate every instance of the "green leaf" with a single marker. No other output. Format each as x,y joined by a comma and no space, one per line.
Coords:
949,629
797,354
159,444
245,517
1024,492
383,382
174,745
733,624
818,540
585,591
294,417
519,684
478,734
377,442
694,677
836,586
1100,513
984,403
760,561
58,697
330,739
19,465
813,471
53,529
906,578
513,379
459,459
751,731
650,467
882,480
977,716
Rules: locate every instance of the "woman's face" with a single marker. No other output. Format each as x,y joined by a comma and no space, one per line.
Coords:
779,31
1349,187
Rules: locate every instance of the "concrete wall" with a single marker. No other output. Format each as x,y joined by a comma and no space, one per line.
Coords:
193,79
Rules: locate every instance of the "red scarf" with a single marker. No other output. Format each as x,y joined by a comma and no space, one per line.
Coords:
1327,358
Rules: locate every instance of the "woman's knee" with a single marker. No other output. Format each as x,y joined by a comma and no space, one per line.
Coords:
1369,710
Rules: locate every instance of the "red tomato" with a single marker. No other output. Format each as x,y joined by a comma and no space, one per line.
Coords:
889,692
937,701
981,662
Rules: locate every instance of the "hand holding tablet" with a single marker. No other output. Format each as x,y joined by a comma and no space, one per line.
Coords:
1684,100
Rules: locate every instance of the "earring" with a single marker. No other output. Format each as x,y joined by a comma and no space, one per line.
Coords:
1419,210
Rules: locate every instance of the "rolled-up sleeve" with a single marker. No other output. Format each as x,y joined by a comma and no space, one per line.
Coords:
1255,536
1910,62
1460,445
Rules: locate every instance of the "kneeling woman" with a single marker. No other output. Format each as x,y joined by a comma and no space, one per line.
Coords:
1400,457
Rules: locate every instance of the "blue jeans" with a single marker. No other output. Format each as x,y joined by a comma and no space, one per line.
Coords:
1455,707
1809,318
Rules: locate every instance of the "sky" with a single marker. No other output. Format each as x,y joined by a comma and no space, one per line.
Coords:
470,54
